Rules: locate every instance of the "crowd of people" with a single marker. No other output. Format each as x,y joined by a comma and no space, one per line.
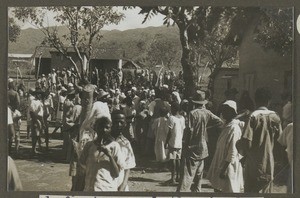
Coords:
106,124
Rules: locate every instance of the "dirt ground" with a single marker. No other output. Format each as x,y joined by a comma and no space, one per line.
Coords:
49,172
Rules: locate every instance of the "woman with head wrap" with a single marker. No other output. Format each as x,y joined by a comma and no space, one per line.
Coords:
225,172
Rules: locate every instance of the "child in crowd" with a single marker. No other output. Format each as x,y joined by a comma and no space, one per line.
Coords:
118,124
101,160
176,124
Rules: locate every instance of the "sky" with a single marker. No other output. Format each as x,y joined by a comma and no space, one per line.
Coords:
132,20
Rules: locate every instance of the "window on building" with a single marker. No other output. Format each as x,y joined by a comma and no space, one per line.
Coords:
249,80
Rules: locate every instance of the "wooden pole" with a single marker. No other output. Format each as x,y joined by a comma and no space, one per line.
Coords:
18,68
39,65
17,75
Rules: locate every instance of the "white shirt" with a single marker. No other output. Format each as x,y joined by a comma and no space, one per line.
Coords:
30,99
36,106
177,125
53,78
9,116
128,155
59,113
97,166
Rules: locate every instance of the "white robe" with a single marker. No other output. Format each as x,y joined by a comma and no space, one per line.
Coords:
160,128
226,151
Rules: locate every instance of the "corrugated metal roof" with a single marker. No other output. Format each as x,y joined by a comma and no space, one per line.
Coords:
107,53
130,62
98,53
45,51
12,55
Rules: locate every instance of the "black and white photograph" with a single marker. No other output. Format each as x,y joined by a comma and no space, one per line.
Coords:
150,99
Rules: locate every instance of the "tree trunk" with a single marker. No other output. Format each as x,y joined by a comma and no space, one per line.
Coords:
212,77
86,103
187,67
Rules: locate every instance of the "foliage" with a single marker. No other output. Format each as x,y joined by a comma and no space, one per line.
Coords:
14,30
275,30
202,31
213,33
161,50
83,23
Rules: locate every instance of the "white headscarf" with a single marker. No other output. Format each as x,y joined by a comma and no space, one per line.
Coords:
176,94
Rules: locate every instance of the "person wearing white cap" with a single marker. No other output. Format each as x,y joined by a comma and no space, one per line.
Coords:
43,81
165,86
10,80
225,173
70,87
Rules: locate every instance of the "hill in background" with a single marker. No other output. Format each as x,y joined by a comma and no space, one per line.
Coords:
135,43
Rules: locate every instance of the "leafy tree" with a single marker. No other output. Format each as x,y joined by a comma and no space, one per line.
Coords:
275,30
161,50
14,30
83,24
217,44
201,29
215,32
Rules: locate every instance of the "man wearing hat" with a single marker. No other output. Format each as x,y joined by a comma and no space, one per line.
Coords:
195,150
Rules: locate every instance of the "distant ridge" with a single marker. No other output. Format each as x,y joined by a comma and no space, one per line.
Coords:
132,41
